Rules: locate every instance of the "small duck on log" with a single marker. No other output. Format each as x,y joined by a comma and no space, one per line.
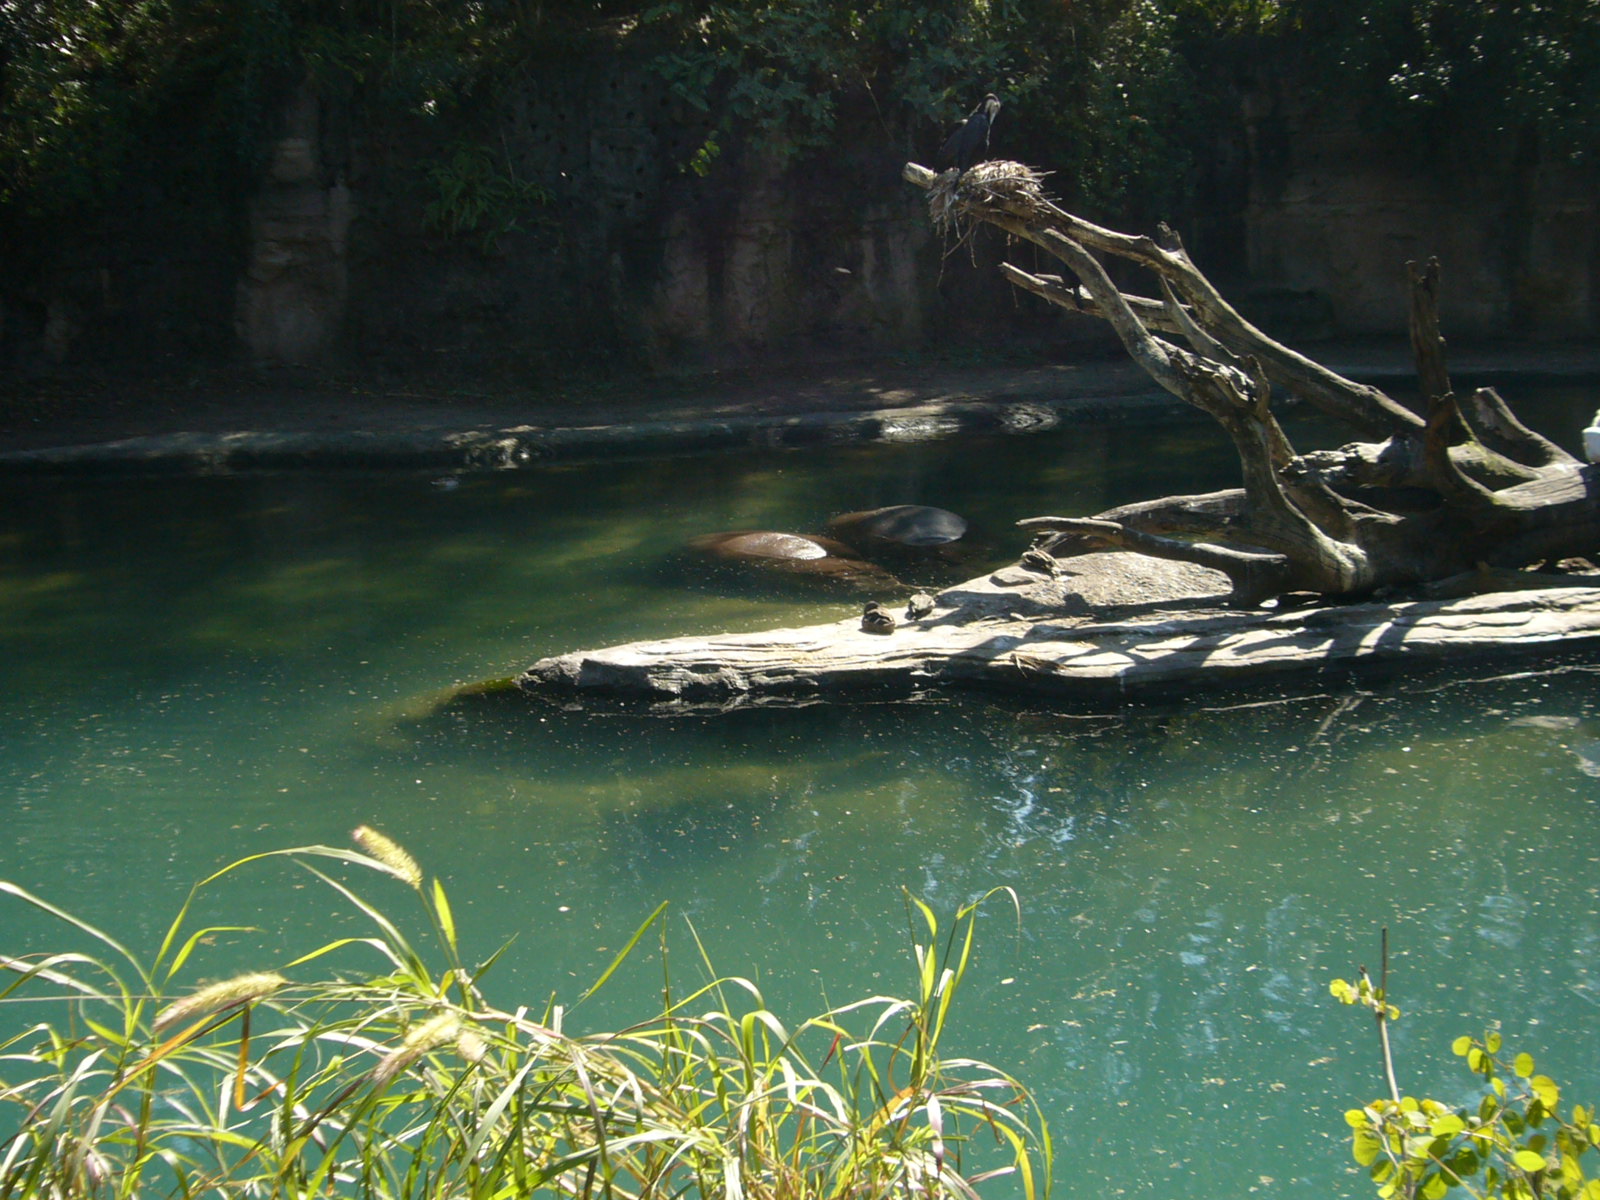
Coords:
1040,562
875,618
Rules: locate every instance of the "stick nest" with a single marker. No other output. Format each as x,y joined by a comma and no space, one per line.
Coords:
956,196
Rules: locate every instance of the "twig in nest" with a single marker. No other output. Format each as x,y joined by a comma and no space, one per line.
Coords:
1000,184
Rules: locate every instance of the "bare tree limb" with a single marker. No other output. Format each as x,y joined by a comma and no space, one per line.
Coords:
1436,497
1427,345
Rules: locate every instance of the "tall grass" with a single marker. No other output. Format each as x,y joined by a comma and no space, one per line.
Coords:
410,1083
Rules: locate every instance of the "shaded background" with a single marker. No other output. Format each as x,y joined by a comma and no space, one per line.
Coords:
526,190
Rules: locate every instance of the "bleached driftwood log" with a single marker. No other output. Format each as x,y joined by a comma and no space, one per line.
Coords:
1042,636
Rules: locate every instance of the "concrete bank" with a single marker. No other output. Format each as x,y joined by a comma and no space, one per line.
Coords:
284,428
516,446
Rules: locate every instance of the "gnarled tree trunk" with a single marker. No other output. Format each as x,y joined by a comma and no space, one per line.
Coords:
1460,491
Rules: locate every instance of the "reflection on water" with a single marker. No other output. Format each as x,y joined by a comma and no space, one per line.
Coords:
199,669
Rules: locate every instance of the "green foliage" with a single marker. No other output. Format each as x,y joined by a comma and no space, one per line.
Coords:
1460,73
1142,121
1366,994
780,70
89,89
92,91
1512,1144
477,196
407,1082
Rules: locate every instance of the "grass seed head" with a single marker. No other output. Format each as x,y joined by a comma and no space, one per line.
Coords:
430,1035
241,989
390,853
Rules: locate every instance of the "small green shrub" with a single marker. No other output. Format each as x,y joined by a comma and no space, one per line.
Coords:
409,1083
475,196
1513,1144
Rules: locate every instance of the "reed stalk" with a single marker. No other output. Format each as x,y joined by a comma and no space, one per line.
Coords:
409,1083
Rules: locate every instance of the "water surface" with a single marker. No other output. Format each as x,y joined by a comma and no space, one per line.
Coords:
198,669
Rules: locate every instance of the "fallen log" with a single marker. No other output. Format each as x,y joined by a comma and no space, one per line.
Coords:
1061,638
1458,497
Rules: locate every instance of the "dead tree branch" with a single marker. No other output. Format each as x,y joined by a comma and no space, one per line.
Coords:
1431,498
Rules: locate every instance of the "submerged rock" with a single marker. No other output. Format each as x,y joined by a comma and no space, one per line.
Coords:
793,555
911,525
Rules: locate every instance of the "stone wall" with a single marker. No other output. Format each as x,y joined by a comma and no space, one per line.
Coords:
292,296
621,255
1334,215
768,255
630,256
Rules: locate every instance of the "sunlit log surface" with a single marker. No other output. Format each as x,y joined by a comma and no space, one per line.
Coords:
1039,635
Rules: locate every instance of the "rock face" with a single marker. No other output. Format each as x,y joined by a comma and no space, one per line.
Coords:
292,297
1332,215
623,251
1019,633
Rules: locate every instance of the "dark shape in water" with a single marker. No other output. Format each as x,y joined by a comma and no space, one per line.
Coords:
917,526
801,556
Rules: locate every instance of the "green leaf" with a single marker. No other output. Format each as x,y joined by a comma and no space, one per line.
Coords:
1435,1187
1523,1065
447,921
625,951
1460,1046
1448,1125
1545,1088
1365,1147
1571,1172
1491,1043
1356,1118
1419,1147
1529,1161
1477,1059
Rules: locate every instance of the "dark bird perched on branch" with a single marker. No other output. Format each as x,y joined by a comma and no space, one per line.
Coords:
970,138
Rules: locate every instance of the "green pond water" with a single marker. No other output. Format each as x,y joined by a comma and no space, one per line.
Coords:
192,670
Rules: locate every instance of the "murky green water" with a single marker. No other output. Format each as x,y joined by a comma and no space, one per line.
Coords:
194,670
